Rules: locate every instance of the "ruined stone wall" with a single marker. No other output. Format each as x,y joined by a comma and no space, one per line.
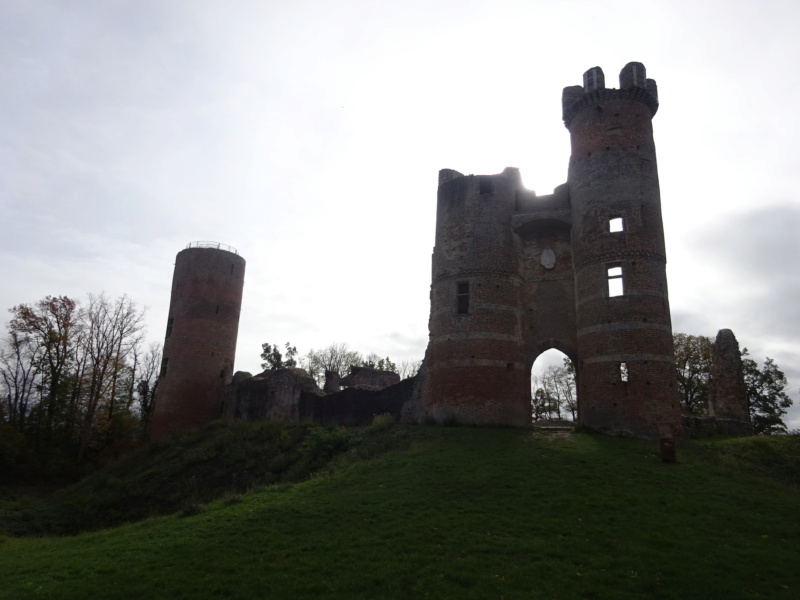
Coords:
367,378
355,406
200,341
727,397
273,395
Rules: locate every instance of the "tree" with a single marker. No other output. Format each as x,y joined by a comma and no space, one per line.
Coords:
693,355
20,370
765,393
112,331
146,385
69,376
408,368
553,390
336,357
52,327
273,358
374,361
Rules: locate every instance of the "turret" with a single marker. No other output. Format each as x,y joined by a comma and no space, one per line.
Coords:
625,353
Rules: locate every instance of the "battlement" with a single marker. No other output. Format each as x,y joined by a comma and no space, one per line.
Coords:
214,245
633,85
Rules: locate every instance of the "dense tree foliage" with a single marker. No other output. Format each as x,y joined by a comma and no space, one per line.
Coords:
693,361
766,394
336,357
76,383
274,359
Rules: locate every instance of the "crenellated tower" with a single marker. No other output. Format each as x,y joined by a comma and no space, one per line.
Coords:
626,361
200,341
582,270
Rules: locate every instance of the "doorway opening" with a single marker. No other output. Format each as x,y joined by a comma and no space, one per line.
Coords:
553,392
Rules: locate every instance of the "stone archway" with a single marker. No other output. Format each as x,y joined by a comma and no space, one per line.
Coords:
553,387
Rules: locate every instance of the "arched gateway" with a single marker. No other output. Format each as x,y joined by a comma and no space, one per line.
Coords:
581,270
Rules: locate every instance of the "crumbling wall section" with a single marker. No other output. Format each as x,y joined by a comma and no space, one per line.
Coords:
356,406
727,397
273,395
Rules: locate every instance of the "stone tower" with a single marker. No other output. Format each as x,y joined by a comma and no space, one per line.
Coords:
581,270
200,342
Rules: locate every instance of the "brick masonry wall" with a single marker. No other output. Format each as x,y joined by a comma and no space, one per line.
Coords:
613,174
200,347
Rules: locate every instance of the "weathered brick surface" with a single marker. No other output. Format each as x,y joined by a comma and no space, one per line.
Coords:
367,378
354,406
537,270
200,345
728,395
272,395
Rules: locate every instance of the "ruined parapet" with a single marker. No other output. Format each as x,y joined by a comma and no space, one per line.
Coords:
333,382
367,378
727,398
200,341
272,395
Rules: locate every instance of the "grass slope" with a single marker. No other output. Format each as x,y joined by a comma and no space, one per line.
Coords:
463,513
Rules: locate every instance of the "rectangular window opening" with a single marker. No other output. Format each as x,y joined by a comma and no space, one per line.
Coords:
485,184
615,285
164,367
462,298
616,225
170,321
623,371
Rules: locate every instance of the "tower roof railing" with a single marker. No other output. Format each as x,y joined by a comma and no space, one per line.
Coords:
216,245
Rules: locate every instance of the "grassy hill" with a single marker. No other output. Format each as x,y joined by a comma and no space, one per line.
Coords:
435,513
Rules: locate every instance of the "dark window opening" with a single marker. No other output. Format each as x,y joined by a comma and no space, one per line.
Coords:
615,285
222,374
170,322
164,367
232,265
485,184
462,298
216,312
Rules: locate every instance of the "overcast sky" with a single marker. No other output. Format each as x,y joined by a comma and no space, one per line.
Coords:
309,135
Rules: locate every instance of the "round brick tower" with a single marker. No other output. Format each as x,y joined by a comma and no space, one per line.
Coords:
200,343
476,363
626,370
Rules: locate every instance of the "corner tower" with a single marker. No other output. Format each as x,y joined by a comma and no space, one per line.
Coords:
626,365
200,342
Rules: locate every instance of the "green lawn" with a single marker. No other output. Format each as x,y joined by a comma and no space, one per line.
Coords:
462,513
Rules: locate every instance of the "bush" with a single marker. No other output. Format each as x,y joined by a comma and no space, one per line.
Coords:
382,422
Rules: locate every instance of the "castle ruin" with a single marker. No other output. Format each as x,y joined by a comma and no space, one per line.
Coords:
582,270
